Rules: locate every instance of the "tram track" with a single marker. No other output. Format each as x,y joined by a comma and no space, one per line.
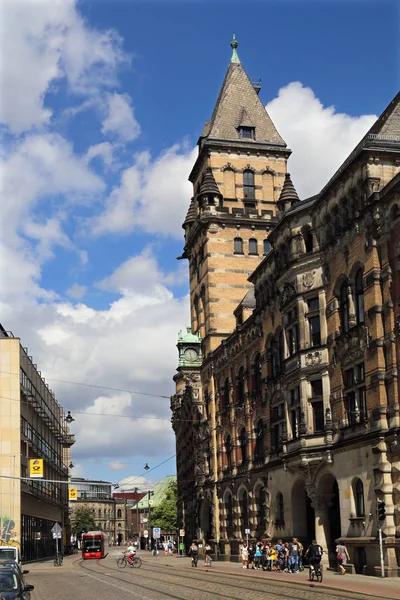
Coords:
207,579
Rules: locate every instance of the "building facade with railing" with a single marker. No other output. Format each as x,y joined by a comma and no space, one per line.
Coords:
288,422
32,425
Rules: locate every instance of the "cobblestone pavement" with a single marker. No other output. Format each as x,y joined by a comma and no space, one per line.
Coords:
163,578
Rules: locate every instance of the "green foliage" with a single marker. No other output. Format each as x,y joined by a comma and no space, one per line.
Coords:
83,522
165,514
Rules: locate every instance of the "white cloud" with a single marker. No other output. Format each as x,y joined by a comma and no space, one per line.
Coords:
44,41
320,137
120,120
129,483
153,195
76,291
105,150
116,465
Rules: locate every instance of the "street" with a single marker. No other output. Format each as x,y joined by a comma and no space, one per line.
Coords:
171,577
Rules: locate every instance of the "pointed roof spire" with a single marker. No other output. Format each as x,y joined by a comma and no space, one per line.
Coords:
234,44
209,185
288,195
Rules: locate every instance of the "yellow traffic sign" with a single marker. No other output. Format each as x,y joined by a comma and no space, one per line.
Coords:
36,467
150,502
73,493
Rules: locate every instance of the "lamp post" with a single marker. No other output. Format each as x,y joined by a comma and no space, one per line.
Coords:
136,490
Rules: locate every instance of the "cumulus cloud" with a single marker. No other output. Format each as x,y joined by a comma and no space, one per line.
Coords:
320,138
105,151
45,41
153,195
129,483
76,291
120,120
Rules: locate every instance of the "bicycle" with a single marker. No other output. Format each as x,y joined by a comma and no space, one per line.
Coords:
122,561
315,572
58,560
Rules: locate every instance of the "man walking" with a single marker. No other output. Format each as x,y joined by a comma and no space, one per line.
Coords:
294,551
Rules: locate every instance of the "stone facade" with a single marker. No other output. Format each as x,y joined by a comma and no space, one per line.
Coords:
290,424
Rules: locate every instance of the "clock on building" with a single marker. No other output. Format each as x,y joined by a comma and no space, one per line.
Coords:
190,354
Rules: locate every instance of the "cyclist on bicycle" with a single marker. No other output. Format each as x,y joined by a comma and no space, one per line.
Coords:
130,552
314,551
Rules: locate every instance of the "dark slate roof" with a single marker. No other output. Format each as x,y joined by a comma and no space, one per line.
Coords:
249,301
191,213
288,192
209,185
238,104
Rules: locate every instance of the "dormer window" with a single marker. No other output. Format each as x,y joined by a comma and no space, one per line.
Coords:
247,133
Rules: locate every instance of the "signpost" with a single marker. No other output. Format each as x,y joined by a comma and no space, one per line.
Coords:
57,535
73,493
156,533
181,536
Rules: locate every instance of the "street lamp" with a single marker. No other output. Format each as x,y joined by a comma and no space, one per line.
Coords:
146,467
150,502
69,418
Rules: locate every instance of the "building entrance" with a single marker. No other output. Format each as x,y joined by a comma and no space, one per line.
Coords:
303,514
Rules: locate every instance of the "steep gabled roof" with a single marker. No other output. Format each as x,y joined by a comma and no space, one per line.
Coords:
238,105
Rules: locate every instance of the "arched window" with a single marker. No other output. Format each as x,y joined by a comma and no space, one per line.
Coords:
259,450
281,351
359,290
99,526
119,513
226,393
99,513
243,444
228,450
244,509
253,246
238,245
359,498
257,374
308,239
267,246
280,509
260,507
344,307
240,387
248,184
229,510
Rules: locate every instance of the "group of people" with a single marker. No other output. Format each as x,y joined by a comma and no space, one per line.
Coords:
279,557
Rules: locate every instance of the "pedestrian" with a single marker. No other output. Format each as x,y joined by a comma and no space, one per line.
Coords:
245,555
252,554
194,553
170,546
294,552
258,556
342,557
208,550
273,557
282,556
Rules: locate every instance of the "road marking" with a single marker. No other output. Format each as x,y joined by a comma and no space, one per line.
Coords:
120,587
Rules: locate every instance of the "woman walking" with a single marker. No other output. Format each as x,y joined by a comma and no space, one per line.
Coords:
342,557
245,555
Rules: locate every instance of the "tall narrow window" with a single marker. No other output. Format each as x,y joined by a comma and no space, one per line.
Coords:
354,394
253,246
280,510
119,513
240,387
238,245
244,509
226,393
228,450
243,444
359,297
248,184
292,331
229,510
344,307
359,498
259,450
256,388
267,246
318,416
308,239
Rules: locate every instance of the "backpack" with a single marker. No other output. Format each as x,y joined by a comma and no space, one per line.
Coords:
318,552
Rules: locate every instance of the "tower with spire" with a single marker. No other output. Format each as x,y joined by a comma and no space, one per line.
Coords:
237,180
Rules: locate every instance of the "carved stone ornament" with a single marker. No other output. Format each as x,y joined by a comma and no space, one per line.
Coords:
213,228
289,292
308,279
313,358
351,346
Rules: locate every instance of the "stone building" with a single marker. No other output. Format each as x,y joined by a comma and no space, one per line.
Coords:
32,425
109,512
286,410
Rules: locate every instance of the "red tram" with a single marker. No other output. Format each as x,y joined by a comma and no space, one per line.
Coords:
94,544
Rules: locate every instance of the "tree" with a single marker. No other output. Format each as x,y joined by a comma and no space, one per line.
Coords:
165,514
83,522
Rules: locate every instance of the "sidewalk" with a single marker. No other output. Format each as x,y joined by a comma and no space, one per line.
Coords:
372,586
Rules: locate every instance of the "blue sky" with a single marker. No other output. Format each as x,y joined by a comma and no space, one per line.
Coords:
101,108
